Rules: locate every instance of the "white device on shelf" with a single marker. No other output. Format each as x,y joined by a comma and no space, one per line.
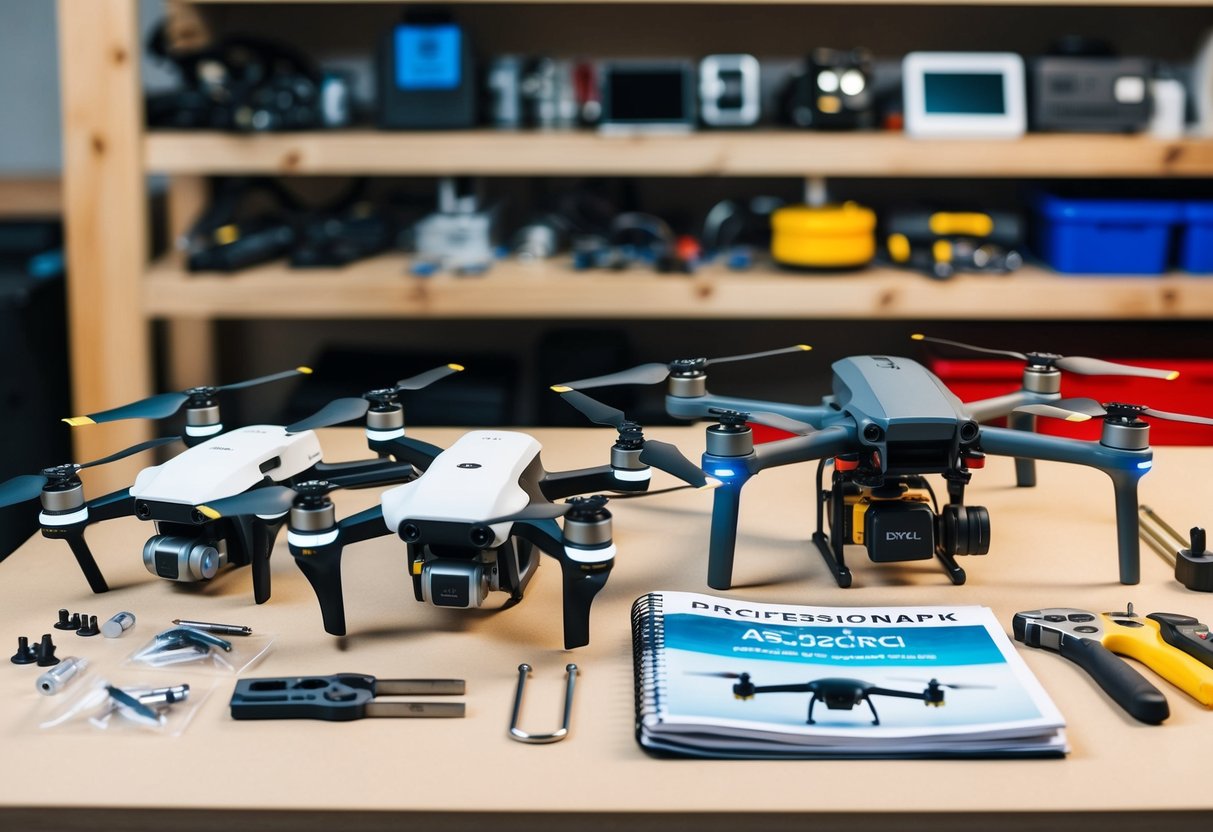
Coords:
1202,85
964,95
729,94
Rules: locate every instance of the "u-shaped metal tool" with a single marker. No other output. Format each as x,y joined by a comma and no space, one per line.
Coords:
517,733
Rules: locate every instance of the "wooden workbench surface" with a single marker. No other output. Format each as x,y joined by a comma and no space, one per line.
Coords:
1052,546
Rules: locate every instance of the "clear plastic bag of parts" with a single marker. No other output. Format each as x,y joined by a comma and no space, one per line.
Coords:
186,647
136,704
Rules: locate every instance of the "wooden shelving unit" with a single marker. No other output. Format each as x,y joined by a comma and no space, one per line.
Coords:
382,288
114,293
719,153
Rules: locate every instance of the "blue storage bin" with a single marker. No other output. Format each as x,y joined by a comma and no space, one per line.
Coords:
1196,250
1105,236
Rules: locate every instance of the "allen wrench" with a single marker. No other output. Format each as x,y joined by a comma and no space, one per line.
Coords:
560,733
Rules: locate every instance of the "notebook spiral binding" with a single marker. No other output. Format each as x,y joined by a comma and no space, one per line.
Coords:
648,656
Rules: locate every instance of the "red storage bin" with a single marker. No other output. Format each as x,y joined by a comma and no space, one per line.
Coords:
1191,393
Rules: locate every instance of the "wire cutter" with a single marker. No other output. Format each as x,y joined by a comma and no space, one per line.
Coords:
341,697
1171,645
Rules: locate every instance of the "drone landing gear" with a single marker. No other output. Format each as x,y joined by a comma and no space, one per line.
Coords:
834,558
831,546
871,706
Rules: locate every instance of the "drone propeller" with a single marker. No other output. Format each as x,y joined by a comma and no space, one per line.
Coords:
1072,364
422,380
656,373
660,455
163,405
1080,410
29,486
267,502
938,684
724,674
333,413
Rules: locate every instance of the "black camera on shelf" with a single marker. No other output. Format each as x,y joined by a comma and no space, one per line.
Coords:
898,521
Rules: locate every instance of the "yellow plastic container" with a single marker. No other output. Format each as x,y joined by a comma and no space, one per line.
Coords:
825,237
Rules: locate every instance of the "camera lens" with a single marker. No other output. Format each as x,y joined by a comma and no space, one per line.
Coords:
873,433
968,431
481,536
966,530
410,532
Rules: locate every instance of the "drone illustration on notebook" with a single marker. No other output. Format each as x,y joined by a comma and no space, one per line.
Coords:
887,423
189,546
476,517
842,694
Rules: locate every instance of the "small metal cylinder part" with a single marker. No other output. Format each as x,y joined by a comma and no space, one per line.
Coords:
63,499
726,441
627,459
118,624
163,696
688,387
56,679
1133,436
209,627
319,519
390,419
587,534
201,417
1042,380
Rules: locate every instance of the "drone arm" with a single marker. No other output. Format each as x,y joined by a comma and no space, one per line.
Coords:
899,694
698,407
830,441
583,575
1123,467
558,485
371,476
111,506
404,449
801,687
983,410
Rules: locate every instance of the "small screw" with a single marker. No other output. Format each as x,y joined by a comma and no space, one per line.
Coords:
90,629
65,622
25,654
46,652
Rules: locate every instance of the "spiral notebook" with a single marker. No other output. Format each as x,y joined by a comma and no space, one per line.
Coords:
723,677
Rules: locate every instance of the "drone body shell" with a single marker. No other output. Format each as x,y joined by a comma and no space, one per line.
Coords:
476,479
228,464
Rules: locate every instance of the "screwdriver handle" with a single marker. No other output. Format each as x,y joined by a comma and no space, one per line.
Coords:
1126,686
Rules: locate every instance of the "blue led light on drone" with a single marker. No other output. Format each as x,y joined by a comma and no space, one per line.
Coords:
723,472
1149,463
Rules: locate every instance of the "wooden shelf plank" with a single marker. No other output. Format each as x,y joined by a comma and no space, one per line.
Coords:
381,288
586,153
1157,3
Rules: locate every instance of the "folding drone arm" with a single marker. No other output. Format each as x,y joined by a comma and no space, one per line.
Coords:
70,527
999,406
583,574
800,687
559,485
898,694
318,555
735,472
699,407
405,449
983,410
1124,467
